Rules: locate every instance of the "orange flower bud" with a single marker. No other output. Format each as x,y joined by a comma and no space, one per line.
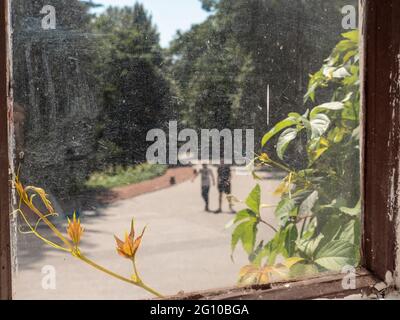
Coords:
75,230
129,247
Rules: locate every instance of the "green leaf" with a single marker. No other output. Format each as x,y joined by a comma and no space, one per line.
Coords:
290,237
294,115
351,232
243,215
356,133
288,122
337,134
354,212
330,106
349,55
319,125
283,210
246,233
335,255
345,45
308,247
351,35
303,270
331,228
286,137
350,112
311,92
273,248
348,97
308,204
253,200
341,73
318,153
316,80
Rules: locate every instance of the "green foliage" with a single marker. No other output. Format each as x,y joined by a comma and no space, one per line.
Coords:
91,89
133,88
204,64
222,67
209,5
247,221
119,176
319,212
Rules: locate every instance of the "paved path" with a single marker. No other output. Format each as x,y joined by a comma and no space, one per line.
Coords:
184,248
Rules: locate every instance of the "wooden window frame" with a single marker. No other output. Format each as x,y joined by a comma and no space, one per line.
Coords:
380,29
5,112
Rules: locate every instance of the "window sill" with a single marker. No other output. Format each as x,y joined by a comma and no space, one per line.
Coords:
323,286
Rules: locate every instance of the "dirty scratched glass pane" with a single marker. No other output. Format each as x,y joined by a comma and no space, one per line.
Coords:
229,129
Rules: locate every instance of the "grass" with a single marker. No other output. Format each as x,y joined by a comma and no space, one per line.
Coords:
119,176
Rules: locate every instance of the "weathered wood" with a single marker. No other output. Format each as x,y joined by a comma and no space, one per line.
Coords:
5,254
322,286
381,134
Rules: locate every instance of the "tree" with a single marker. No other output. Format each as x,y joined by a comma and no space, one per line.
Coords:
204,67
134,91
260,43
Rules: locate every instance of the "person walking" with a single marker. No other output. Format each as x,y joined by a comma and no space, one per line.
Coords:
206,177
224,185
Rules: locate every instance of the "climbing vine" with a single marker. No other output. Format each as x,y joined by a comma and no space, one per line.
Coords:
318,215
35,200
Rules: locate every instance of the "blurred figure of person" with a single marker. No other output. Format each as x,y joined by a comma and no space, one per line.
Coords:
224,185
207,177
